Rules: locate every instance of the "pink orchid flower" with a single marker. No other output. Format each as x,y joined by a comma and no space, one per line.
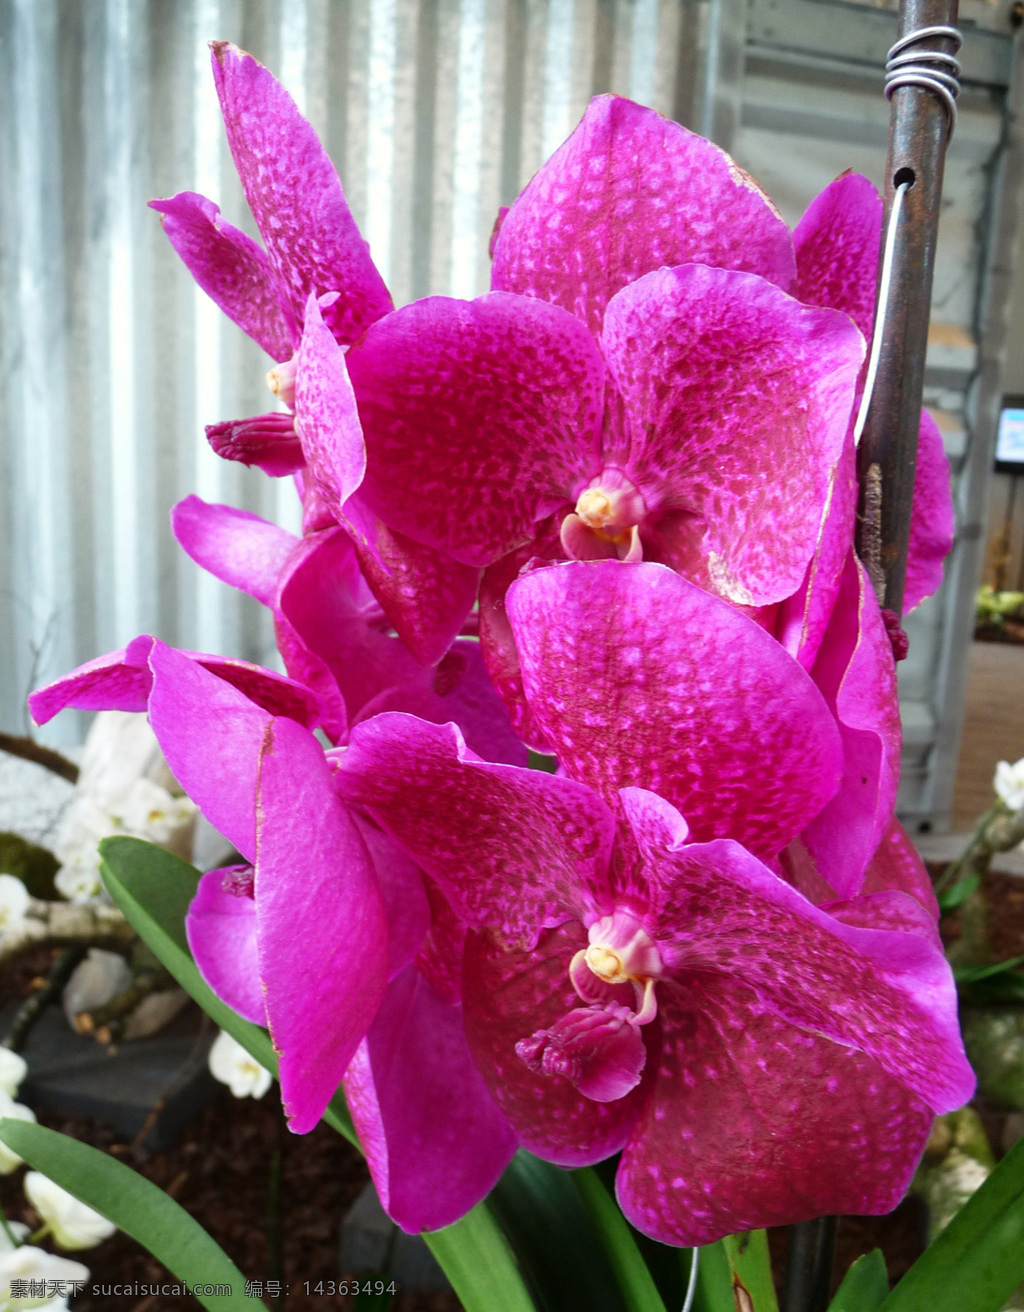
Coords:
635,981
326,934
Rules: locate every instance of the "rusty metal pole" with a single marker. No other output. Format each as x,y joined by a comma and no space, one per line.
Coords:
887,456
919,131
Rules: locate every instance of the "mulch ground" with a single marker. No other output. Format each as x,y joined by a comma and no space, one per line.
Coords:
219,1172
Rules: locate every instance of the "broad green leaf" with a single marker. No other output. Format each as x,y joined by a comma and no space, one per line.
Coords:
541,761
639,1291
136,1206
560,1253
978,1260
477,1259
865,1286
736,1272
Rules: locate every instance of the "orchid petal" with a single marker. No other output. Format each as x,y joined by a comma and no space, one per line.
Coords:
269,442
745,1111
424,593
231,268
295,196
221,930
897,865
735,405
480,418
326,418
932,520
235,546
121,681
405,898
856,672
708,710
511,847
509,995
320,919
714,907
629,192
434,1138
837,243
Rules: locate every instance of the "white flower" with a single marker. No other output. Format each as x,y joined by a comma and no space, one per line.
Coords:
70,1222
232,1065
13,1069
1009,783
14,900
29,1263
150,812
15,1111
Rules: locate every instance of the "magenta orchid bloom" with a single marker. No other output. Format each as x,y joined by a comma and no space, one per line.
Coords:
638,981
324,934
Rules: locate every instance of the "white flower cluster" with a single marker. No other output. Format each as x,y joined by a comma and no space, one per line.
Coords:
1009,783
70,1223
124,787
14,900
233,1066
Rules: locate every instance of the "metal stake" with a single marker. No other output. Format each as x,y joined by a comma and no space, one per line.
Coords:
923,96
918,134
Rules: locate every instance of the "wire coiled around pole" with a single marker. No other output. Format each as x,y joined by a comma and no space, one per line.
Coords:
931,70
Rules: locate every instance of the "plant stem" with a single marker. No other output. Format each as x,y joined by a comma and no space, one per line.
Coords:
15,1242
274,1241
29,750
954,867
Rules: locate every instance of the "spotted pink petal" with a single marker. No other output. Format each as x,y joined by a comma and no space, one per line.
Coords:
221,930
211,735
459,691
434,1139
856,673
267,441
837,243
509,995
231,268
635,676
803,617
933,519
326,418
716,908
295,197
497,641
237,547
629,192
405,898
511,847
897,865
320,919
735,401
753,1122
424,593
121,681
480,418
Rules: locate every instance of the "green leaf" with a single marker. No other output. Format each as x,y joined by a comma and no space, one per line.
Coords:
541,761
978,1260
477,1259
136,1206
971,974
957,894
639,1291
737,1265
561,1254
865,1286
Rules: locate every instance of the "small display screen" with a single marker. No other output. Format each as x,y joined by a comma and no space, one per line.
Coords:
1010,441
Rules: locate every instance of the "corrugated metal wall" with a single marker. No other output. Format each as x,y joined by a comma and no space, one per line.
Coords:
436,112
